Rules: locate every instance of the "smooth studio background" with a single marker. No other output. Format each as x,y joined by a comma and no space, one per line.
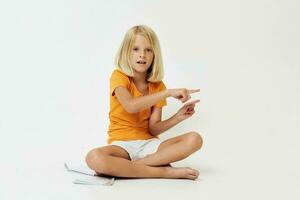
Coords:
55,61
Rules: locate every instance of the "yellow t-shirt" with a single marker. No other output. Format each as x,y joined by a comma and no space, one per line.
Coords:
126,126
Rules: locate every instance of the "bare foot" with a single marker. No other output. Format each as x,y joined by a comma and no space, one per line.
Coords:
182,172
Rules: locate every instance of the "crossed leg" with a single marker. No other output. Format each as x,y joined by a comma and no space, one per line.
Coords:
173,149
115,161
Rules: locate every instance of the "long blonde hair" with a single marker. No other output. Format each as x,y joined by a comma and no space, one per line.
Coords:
155,72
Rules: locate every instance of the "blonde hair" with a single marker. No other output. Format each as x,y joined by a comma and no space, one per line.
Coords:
155,72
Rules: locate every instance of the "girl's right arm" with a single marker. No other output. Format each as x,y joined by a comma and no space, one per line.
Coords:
133,105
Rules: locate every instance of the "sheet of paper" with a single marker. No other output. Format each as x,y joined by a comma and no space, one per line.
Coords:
81,174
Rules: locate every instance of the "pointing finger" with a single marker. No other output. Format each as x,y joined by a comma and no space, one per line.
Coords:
192,102
193,91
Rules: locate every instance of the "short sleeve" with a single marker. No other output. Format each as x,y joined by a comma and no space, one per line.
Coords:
118,79
160,87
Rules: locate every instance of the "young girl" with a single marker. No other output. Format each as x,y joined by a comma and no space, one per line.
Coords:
137,95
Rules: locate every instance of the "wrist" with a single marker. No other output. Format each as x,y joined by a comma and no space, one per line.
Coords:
177,118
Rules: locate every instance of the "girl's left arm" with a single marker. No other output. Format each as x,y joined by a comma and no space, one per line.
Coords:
156,126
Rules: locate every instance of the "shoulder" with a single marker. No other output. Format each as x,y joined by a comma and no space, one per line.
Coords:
118,75
118,78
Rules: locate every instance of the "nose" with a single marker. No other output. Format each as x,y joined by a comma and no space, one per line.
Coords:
142,54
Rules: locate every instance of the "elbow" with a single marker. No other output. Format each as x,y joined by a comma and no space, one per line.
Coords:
156,128
153,132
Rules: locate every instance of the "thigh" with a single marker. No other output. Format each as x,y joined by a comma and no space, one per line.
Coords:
171,141
113,150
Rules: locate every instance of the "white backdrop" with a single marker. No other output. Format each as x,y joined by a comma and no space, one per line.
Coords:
56,58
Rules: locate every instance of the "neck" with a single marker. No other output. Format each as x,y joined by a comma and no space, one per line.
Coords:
139,77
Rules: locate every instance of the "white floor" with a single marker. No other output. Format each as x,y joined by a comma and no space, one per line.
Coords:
236,162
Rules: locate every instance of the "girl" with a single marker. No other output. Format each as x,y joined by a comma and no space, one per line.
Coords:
137,95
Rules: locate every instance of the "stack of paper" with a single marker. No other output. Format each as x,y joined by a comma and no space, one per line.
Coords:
81,174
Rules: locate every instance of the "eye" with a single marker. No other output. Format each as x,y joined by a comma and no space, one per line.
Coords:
135,49
149,50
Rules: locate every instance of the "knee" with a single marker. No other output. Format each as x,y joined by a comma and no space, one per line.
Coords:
97,160
194,140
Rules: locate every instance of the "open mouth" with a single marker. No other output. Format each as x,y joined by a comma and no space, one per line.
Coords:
141,62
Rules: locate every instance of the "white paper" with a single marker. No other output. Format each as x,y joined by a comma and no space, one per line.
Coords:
81,174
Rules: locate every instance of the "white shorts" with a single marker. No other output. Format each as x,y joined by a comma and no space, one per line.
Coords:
139,148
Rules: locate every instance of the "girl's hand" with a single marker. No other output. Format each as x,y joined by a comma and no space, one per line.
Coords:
182,94
186,111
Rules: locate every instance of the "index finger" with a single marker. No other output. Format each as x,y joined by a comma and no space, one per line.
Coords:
193,91
192,102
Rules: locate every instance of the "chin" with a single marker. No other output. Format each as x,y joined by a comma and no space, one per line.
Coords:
141,69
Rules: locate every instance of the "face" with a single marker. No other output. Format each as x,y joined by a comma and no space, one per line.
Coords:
141,56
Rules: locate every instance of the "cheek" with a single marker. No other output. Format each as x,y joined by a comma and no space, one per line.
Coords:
132,57
151,57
